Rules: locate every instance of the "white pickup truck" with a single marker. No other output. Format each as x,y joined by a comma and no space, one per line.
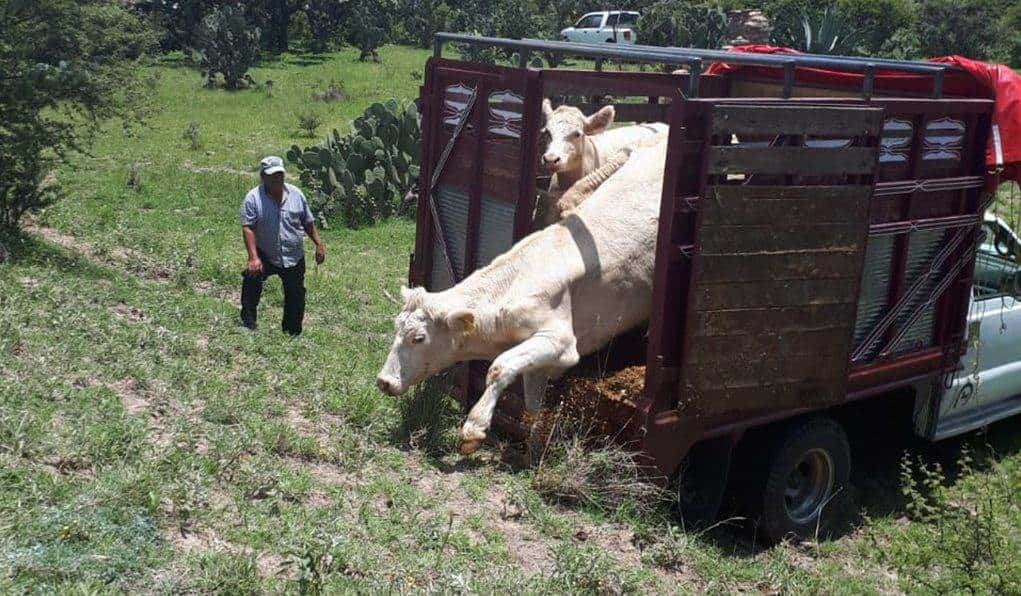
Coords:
607,26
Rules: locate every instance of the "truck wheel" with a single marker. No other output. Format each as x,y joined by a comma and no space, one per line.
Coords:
805,475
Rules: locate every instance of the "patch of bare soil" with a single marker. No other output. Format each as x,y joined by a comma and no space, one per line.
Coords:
125,258
191,167
160,408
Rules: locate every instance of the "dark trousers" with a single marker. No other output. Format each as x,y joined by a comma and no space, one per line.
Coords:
293,280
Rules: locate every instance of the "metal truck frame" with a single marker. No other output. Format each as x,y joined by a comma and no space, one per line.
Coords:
822,259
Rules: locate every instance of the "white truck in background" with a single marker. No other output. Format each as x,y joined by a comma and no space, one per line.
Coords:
606,26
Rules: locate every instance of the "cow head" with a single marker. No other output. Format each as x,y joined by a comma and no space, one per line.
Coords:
428,339
567,128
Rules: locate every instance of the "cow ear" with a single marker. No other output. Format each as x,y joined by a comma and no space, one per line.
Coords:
411,296
547,109
461,322
600,121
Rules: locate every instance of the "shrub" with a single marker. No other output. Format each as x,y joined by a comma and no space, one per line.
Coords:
309,121
971,28
65,67
363,176
370,24
334,92
668,23
227,44
192,135
871,23
961,541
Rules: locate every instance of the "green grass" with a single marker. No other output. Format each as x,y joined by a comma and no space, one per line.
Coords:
149,444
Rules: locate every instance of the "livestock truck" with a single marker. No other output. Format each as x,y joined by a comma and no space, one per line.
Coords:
820,223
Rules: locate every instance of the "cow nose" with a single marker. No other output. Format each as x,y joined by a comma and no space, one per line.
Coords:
551,160
385,385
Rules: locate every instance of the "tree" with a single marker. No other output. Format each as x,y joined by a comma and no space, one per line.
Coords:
371,22
423,19
65,67
684,24
971,28
274,19
226,43
325,19
177,20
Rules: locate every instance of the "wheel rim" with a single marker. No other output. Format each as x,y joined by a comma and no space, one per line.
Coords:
808,485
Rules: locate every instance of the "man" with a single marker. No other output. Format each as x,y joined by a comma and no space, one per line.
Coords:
274,220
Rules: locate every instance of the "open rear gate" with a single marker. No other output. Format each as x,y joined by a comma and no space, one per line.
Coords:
820,257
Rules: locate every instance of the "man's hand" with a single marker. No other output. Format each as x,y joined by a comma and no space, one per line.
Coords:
320,253
254,267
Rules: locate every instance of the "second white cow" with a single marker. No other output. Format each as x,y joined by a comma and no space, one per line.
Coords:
578,146
558,294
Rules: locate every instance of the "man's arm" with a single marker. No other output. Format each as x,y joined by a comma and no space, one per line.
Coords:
313,233
254,263
249,217
309,223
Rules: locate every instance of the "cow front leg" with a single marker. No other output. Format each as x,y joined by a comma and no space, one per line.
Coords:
541,351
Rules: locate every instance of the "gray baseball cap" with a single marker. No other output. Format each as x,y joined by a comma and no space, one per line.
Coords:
271,164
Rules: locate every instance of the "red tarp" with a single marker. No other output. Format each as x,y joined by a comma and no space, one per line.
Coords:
976,79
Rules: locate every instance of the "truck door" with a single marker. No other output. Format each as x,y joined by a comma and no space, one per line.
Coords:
475,189
987,385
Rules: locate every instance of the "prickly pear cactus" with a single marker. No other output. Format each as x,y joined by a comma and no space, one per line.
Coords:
363,176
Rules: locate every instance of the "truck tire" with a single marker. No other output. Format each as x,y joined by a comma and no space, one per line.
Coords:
804,480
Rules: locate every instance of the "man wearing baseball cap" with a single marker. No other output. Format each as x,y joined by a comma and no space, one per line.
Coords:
274,220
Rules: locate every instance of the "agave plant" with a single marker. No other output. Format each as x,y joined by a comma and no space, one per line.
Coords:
829,33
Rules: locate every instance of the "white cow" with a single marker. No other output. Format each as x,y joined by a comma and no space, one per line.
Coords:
558,294
579,145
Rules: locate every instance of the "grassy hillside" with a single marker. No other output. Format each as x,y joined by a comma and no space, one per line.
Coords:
148,444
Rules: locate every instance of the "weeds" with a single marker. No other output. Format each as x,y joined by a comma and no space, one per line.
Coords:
580,468
192,135
309,121
334,92
135,177
959,544
428,419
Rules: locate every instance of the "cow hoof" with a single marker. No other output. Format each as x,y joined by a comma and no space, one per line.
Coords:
469,446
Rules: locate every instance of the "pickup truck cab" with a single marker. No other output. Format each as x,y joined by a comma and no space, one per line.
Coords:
987,386
607,26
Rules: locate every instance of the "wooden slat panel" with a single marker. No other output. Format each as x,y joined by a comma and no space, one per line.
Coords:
755,205
813,161
735,373
776,293
579,82
817,120
760,398
802,343
737,239
793,265
780,320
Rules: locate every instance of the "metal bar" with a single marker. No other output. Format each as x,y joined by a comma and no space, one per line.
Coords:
694,74
577,49
899,187
937,85
523,59
438,171
937,263
868,81
788,79
935,223
936,294
777,60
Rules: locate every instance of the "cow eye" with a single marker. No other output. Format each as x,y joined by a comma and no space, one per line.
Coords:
417,339
576,134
